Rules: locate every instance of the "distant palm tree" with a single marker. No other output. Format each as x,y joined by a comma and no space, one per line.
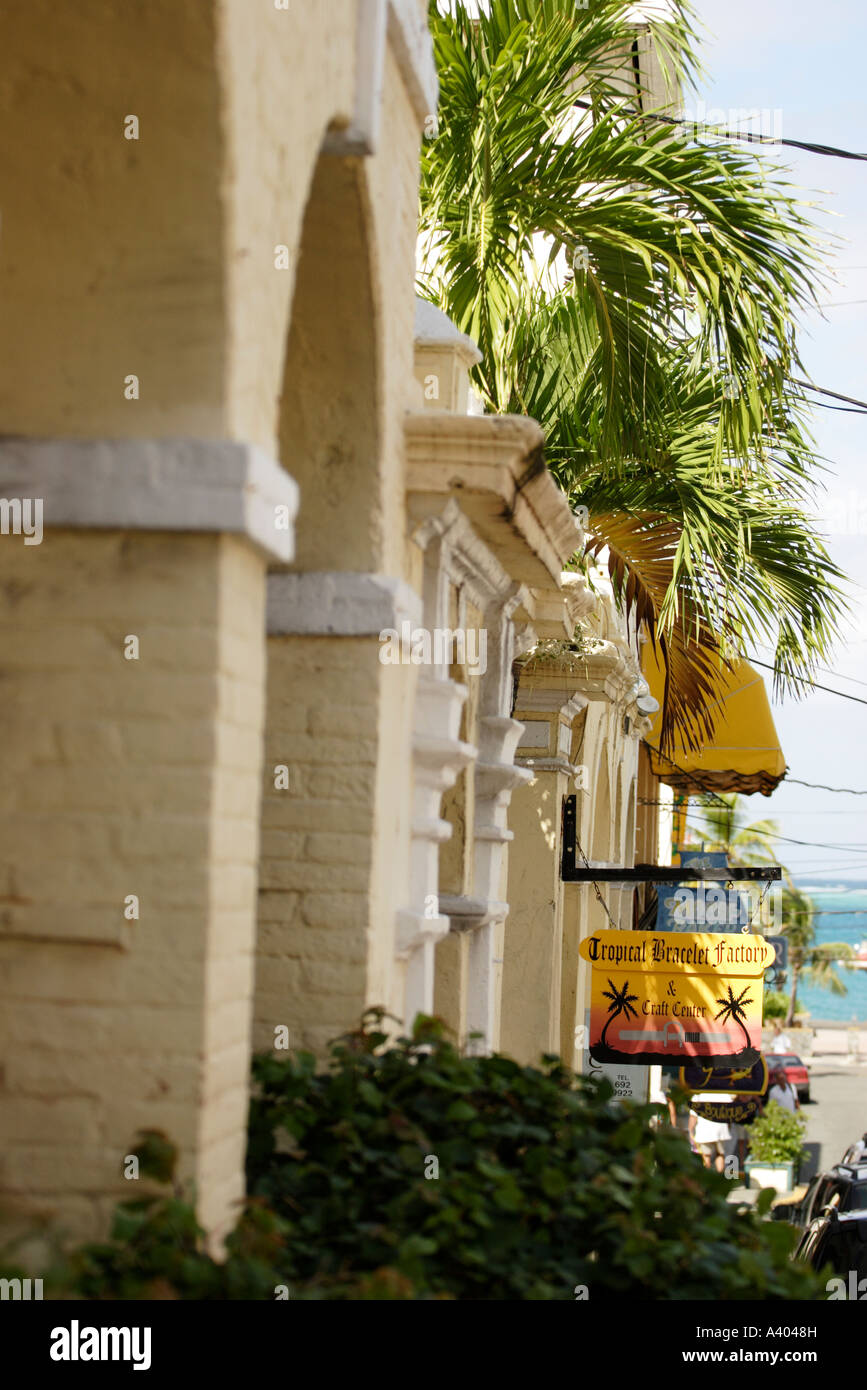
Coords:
723,827
817,962
621,1002
733,1007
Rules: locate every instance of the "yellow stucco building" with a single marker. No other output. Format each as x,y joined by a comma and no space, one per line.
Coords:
243,801
226,819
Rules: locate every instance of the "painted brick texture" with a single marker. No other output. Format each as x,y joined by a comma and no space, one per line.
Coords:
131,777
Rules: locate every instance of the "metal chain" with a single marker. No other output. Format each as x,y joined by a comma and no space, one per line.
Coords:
758,907
602,903
615,925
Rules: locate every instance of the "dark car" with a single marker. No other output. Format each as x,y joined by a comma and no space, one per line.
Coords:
795,1071
857,1152
842,1190
838,1240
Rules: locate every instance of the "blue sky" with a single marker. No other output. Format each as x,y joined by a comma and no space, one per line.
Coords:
807,60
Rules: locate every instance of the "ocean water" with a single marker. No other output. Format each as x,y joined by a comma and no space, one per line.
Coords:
841,915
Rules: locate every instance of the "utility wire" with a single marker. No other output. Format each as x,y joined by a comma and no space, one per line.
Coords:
821,787
854,848
831,150
823,391
839,674
754,661
845,409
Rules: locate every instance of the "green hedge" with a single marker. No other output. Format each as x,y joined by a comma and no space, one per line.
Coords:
545,1183
405,1170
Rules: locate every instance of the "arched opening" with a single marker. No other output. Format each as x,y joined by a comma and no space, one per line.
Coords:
329,415
315,950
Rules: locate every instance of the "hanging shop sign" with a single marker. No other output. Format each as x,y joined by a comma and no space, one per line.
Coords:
777,972
693,905
750,1080
629,1082
737,1111
664,995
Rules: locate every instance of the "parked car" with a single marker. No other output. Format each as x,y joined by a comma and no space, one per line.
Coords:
838,1240
843,1190
857,1152
795,1071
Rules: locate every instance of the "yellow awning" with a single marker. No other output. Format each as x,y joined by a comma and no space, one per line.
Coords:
743,753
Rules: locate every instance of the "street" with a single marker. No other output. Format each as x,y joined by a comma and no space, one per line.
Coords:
837,1113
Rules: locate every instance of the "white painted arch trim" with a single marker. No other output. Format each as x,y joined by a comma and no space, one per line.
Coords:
400,24
156,485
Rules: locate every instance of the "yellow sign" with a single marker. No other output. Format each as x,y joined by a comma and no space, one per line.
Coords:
694,953
666,995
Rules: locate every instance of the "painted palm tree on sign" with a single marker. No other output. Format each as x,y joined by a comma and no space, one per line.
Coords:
621,1003
733,1006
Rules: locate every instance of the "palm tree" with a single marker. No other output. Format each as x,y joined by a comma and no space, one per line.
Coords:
621,1002
805,957
724,828
635,289
733,1006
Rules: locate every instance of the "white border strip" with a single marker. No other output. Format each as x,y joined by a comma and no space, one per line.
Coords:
156,485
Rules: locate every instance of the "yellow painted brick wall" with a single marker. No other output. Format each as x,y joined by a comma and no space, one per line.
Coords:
334,854
126,777
316,853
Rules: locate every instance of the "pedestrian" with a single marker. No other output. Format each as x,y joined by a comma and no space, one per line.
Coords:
709,1136
782,1091
780,1042
737,1147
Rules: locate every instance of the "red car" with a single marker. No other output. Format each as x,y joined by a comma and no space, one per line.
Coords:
796,1073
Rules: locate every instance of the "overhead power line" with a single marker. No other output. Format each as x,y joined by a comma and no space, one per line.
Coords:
844,409
832,151
810,844
754,661
823,391
821,787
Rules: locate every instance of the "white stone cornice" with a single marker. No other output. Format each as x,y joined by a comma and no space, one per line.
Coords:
156,485
556,615
611,671
492,779
551,617
339,603
467,914
580,598
466,559
564,697
494,463
413,930
439,761
549,765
